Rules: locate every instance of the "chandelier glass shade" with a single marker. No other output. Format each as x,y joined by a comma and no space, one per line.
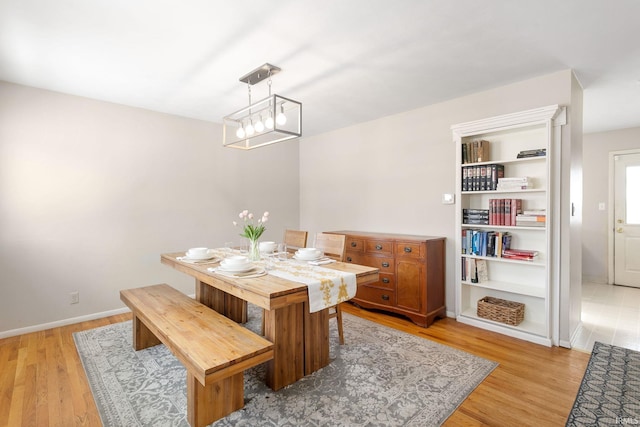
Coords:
270,120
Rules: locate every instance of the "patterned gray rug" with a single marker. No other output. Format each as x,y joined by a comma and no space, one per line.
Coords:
610,390
381,377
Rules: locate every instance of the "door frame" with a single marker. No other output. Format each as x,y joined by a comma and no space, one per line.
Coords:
611,226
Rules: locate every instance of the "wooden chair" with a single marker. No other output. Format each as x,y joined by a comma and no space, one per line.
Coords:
333,246
295,239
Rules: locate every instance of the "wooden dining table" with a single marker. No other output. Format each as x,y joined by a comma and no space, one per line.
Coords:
300,338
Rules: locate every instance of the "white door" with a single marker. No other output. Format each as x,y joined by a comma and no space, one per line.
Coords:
627,220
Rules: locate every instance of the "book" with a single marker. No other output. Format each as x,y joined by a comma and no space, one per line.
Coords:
538,152
534,212
520,257
531,218
506,242
513,251
516,209
483,151
482,273
473,274
497,172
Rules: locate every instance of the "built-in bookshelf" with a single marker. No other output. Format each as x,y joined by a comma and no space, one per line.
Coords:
505,205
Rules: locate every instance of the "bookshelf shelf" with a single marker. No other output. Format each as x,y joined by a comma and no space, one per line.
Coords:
505,161
514,288
528,190
498,141
536,263
529,330
502,227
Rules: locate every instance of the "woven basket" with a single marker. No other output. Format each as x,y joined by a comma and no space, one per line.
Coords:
500,310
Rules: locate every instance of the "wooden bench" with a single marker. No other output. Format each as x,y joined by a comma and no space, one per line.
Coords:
214,349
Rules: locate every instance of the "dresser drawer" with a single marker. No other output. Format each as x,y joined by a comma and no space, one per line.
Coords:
376,296
385,265
354,244
382,247
356,258
387,281
409,249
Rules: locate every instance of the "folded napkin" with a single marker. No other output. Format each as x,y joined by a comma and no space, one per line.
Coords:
326,287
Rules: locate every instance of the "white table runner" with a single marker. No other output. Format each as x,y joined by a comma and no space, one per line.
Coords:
326,287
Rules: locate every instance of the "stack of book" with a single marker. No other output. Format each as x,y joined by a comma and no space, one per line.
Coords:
504,211
514,183
538,152
475,216
475,270
475,151
520,254
532,218
485,243
481,178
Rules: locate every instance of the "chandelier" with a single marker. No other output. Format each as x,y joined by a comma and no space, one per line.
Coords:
270,120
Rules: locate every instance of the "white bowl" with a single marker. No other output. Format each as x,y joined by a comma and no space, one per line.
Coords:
236,260
198,251
267,247
308,255
307,250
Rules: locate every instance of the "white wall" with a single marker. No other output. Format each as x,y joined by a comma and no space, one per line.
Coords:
91,193
388,175
597,147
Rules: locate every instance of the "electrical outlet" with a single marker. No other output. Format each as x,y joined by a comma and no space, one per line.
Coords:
74,297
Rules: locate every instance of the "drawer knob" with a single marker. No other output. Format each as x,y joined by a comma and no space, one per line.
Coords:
378,247
385,297
349,258
407,249
385,264
354,244
385,280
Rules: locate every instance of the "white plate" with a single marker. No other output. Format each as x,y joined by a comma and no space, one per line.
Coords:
298,257
195,257
236,269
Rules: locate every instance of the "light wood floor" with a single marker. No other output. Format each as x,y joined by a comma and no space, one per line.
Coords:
42,382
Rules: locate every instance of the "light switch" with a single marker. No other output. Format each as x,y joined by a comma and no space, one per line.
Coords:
448,199
601,206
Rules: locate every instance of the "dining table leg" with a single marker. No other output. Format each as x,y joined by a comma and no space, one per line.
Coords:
285,329
316,336
232,307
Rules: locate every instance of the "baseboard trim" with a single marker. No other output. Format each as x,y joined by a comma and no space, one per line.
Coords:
63,322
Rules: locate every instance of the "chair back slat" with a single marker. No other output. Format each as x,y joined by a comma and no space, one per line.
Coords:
333,245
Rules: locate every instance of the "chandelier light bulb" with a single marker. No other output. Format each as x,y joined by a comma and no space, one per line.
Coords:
281,119
259,125
250,129
240,132
268,122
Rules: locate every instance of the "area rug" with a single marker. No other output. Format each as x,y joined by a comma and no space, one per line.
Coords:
610,390
380,377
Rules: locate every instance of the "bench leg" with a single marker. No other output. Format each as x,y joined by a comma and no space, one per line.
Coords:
206,404
142,336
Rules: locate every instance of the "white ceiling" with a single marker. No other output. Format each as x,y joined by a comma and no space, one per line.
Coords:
347,61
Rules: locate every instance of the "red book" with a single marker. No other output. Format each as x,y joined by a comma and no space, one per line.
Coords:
507,212
520,252
516,209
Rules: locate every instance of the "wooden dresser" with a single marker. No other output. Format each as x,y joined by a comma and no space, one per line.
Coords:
411,273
